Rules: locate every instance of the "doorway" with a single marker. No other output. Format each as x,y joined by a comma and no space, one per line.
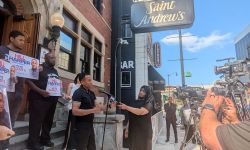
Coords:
28,24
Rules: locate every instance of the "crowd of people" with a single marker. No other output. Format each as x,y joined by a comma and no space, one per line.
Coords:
82,107
230,134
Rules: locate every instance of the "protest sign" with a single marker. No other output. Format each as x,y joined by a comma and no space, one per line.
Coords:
26,67
4,109
7,76
54,86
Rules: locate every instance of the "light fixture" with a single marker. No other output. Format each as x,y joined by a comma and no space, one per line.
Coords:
57,22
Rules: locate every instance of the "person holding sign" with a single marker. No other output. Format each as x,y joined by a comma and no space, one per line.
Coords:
43,97
15,96
17,43
5,133
5,125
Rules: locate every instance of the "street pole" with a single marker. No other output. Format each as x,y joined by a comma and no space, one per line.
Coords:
168,85
181,60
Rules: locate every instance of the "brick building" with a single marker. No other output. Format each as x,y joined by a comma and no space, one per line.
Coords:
84,43
85,40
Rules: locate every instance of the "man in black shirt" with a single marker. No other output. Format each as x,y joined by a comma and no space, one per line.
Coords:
170,109
83,109
42,106
17,42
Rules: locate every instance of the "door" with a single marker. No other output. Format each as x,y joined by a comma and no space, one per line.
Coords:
29,26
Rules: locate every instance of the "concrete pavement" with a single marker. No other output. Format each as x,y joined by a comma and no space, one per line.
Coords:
171,145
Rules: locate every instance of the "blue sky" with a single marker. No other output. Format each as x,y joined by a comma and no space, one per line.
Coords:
217,23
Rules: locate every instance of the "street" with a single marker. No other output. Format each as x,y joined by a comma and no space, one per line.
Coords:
162,145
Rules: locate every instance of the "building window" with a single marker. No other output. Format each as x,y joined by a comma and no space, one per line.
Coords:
126,78
69,21
98,45
85,59
127,32
97,67
86,35
98,5
66,54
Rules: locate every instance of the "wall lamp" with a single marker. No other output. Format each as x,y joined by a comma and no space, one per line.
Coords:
57,22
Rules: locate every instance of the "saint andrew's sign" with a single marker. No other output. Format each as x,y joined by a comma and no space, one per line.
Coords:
156,15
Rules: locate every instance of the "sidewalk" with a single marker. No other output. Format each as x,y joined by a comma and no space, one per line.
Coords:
171,145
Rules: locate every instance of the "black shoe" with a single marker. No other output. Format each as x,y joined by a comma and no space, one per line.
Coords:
48,144
167,141
34,147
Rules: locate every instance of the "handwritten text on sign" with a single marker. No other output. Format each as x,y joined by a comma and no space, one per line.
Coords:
54,87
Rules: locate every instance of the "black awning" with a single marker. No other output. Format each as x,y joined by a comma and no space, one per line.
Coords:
155,79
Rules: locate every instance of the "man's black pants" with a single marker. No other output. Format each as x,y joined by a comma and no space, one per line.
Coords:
84,136
41,119
168,123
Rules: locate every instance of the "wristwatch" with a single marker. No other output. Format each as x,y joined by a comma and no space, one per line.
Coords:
209,106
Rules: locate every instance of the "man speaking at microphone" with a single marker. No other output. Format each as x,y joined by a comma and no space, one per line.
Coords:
83,109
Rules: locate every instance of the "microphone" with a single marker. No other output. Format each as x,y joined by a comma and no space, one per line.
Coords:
111,97
104,92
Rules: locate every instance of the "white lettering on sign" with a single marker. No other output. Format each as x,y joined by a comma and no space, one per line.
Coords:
127,64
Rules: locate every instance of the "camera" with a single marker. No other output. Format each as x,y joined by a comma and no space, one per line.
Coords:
233,69
192,93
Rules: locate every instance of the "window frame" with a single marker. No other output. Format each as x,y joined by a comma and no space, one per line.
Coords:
100,65
73,19
89,57
72,54
100,8
125,85
83,28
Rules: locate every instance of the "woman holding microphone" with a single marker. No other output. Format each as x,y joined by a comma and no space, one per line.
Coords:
139,125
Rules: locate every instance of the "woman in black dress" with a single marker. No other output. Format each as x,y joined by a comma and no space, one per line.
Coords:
139,126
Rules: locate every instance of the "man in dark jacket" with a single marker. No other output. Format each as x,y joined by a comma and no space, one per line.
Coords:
170,109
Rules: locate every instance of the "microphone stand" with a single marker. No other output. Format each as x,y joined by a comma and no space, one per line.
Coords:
105,120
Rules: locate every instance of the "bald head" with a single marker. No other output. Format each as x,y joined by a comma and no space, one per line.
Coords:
50,58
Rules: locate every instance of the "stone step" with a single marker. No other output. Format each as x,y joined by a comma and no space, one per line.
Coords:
22,127
19,142
58,144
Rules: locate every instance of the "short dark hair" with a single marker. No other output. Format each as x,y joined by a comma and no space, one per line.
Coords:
82,76
15,34
77,78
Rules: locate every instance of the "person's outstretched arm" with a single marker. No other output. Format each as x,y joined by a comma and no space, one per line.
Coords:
209,122
137,111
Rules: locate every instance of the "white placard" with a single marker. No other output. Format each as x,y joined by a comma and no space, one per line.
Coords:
4,109
54,86
7,76
26,67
